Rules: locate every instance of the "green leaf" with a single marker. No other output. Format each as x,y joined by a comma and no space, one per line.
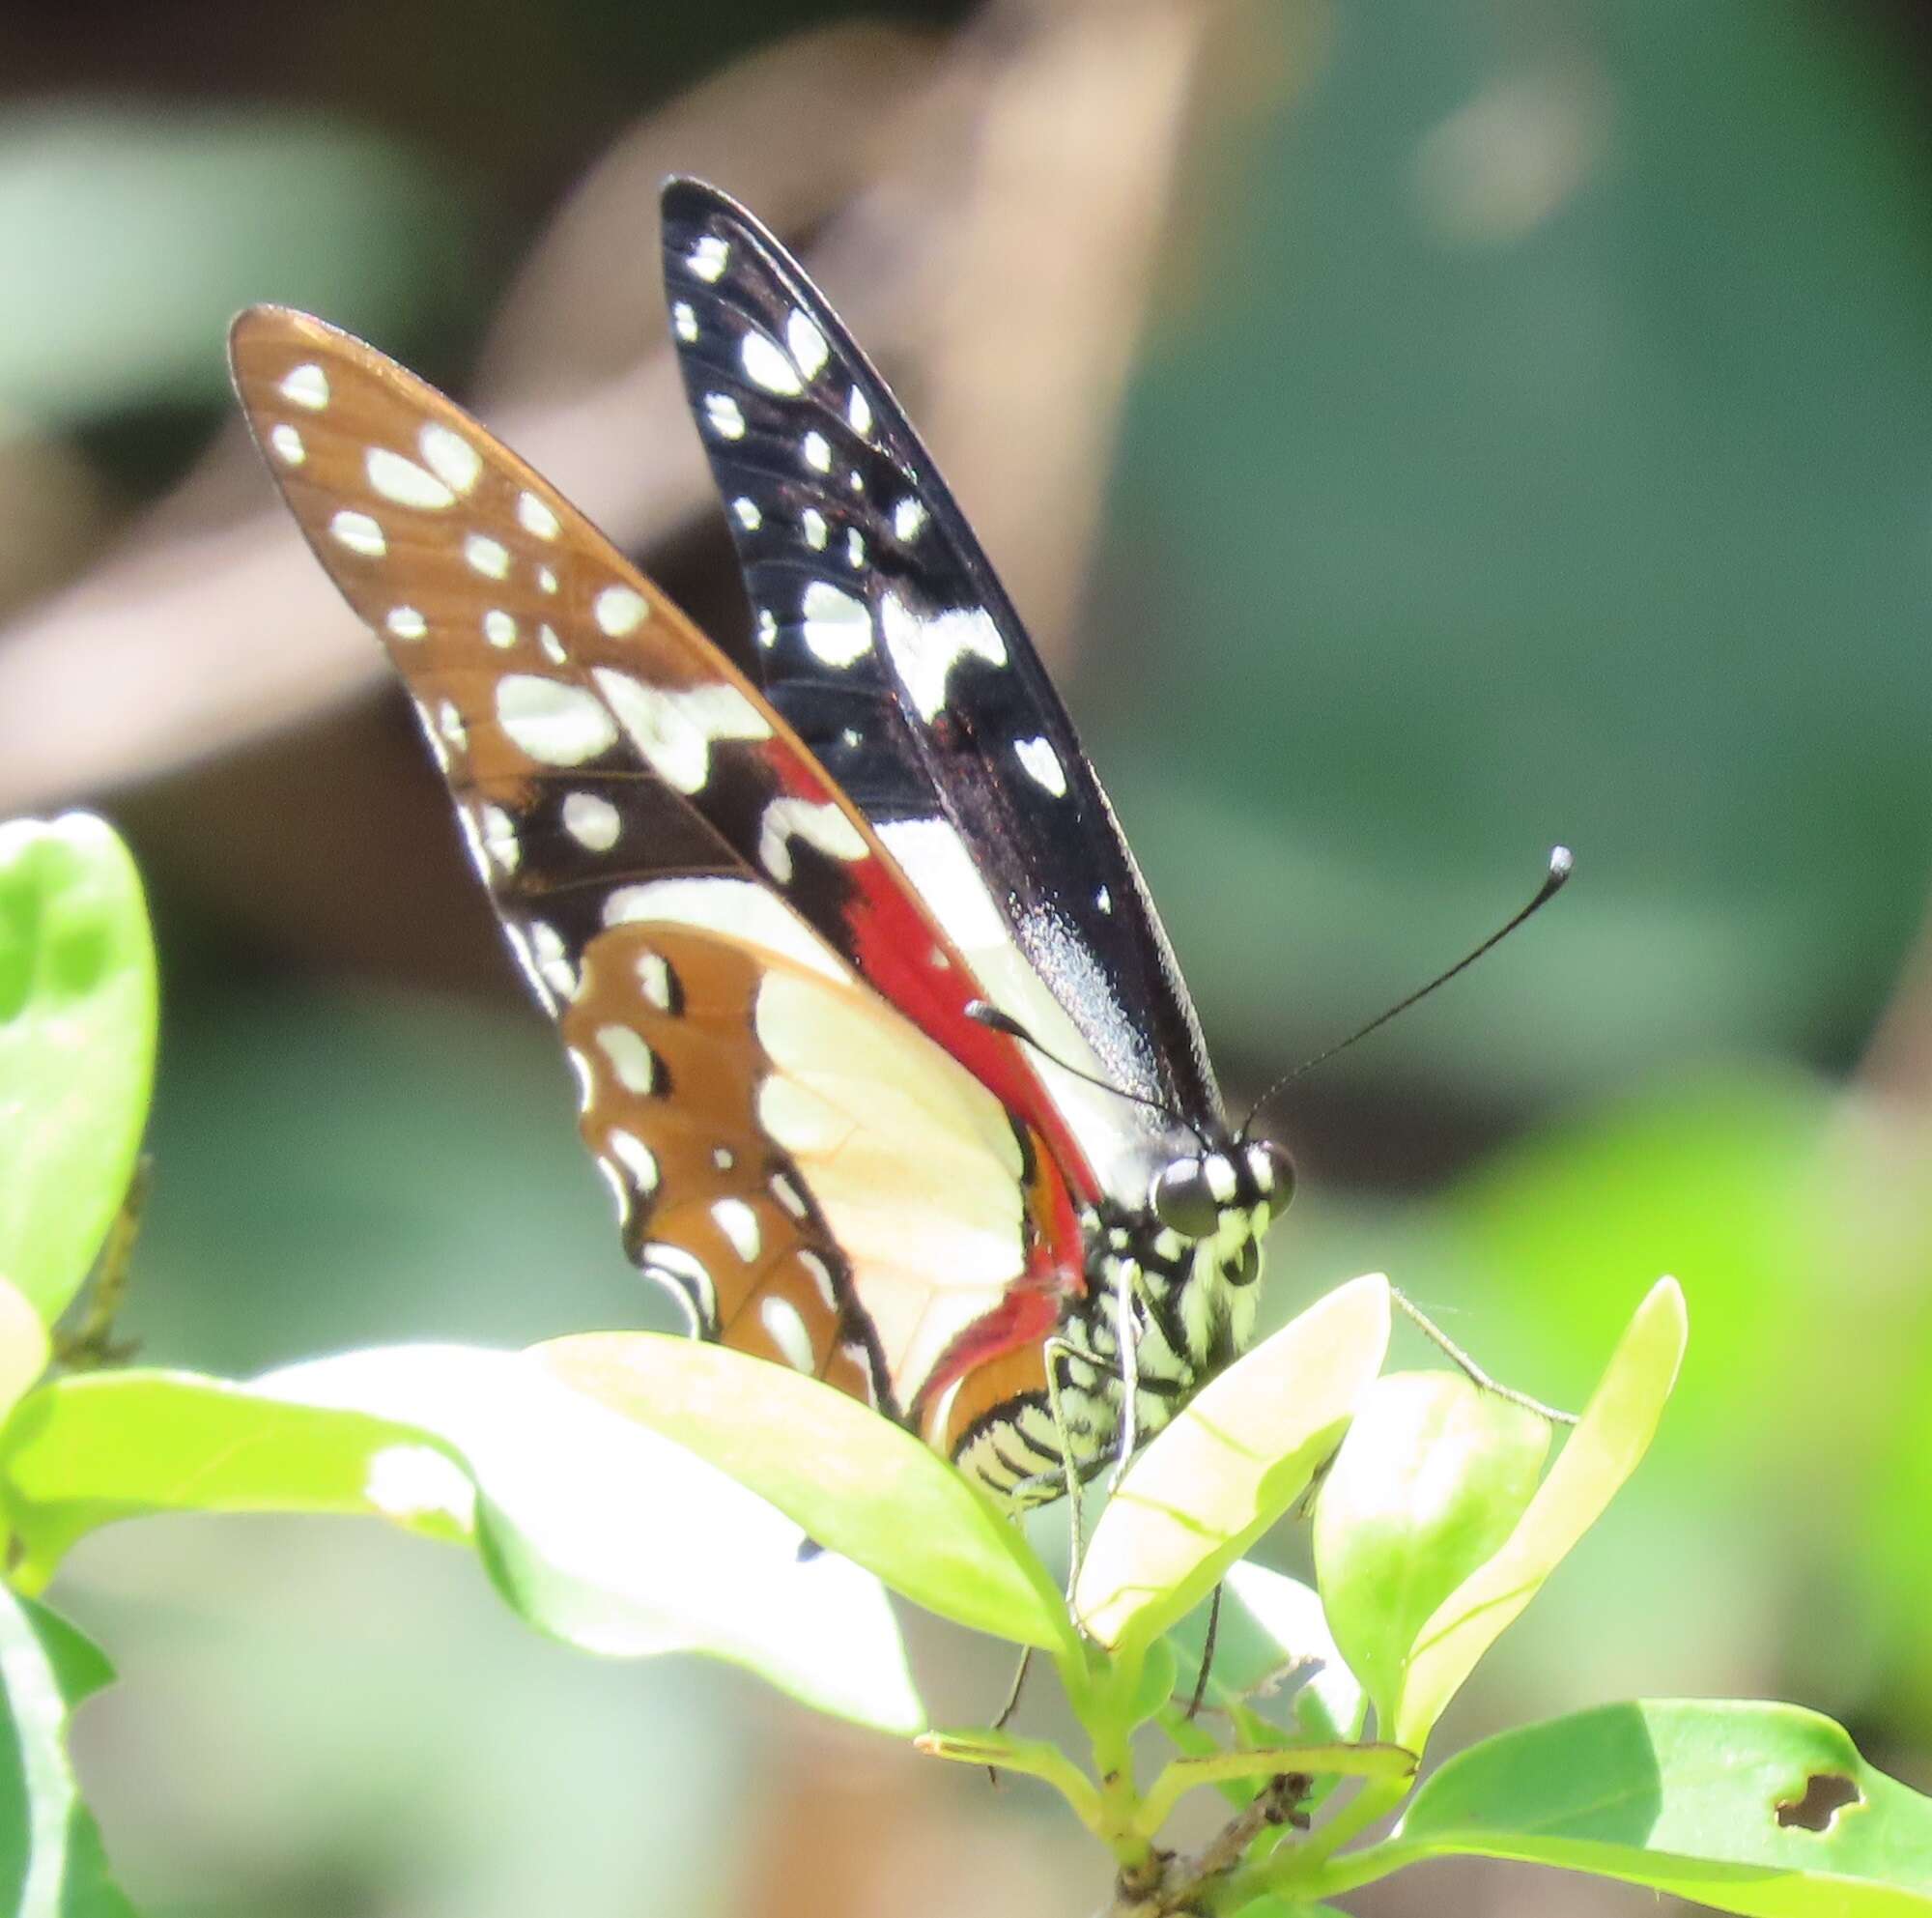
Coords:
1763,1809
52,1862
857,1484
609,1536
1432,1477
1605,1448
1229,1466
595,1530
99,1447
77,1046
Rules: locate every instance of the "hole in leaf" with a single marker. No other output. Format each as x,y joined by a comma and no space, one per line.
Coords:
1826,1794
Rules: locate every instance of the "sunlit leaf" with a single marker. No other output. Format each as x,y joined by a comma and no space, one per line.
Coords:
1763,1809
1602,1451
598,1531
52,1862
1429,1479
1230,1466
88,1450
77,1046
607,1534
857,1483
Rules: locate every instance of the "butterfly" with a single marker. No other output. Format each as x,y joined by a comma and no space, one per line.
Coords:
877,1035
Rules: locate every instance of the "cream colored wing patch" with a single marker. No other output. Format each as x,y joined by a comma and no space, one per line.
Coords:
819,1181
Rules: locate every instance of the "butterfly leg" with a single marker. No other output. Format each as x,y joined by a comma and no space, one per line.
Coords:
1057,1352
1206,1655
1474,1373
1013,1702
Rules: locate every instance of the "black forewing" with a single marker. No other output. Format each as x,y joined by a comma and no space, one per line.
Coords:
886,639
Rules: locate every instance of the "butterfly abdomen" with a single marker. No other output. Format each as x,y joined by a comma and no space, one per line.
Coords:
1190,1306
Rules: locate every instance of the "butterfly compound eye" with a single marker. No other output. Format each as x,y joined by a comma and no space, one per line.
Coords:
1182,1201
1273,1174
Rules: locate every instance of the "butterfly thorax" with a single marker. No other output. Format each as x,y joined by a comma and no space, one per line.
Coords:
1187,1301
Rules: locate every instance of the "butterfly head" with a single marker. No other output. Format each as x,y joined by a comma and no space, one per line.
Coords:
1227,1194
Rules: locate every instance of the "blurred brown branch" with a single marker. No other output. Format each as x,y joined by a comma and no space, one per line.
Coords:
983,211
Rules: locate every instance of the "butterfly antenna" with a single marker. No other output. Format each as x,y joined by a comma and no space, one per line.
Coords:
1560,865
984,1012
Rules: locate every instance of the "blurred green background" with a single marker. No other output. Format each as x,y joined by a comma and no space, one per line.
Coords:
1483,424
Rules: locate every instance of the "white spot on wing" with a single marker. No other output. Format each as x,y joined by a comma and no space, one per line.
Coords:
677,1265
820,1274
359,534
619,610
591,821
535,517
925,650
553,646
1042,765
405,622
486,556
908,517
306,386
782,1322
499,838
807,343
654,980
684,321
635,1157
747,515
498,628
706,259
859,413
552,963
739,1223
676,729
555,723
837,628
725,417
817,452
629,1057
811,523
450,457
823,825
404,482
288,444
766,365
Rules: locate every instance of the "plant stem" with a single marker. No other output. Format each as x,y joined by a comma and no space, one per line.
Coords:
1387,1764
1033,1757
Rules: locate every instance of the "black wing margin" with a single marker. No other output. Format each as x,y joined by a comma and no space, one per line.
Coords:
886,639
